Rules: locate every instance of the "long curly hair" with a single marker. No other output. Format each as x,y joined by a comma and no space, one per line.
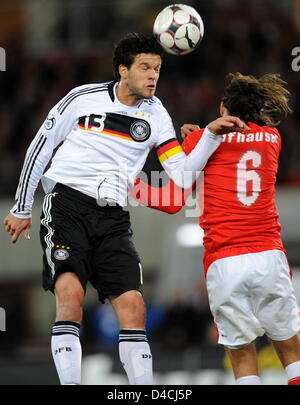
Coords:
264,100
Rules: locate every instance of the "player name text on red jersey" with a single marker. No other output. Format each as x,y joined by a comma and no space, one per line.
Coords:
250,137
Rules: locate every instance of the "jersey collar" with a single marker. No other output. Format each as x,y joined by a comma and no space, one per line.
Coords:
112,93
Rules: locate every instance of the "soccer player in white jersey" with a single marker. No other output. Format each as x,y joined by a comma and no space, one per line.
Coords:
105,132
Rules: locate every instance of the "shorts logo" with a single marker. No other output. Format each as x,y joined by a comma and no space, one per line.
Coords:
61,254
49,123
140,131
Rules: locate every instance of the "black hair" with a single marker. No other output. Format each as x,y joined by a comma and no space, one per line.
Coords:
131,45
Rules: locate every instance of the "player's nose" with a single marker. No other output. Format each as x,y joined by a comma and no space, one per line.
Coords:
153,74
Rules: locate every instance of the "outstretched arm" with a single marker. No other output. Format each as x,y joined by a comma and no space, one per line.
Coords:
185,169
169,198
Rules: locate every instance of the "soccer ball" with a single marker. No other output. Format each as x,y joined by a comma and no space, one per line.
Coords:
179,29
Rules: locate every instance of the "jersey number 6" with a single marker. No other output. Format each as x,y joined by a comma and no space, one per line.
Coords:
246,195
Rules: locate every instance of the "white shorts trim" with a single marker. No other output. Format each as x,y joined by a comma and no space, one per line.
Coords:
251,295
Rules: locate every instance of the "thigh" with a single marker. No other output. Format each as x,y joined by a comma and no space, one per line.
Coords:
274,296
115,261
230,301
64,241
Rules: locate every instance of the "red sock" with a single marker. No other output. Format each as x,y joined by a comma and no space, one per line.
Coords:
294,381
293,373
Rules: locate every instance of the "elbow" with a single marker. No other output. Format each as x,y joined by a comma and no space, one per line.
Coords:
168,209
173,210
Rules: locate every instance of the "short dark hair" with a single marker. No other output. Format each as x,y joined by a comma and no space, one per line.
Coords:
264,100
131,45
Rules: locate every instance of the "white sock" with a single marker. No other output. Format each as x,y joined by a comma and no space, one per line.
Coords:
249,380
293,373
66,351
135,356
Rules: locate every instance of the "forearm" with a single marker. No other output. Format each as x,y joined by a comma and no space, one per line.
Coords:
185,169
37,158
199,156
169,198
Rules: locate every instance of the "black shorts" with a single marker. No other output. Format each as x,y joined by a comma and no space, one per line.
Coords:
94,242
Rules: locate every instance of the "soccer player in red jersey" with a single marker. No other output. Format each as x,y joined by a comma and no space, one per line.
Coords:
247,274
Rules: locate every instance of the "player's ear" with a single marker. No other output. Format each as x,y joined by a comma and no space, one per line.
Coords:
222,109
123,71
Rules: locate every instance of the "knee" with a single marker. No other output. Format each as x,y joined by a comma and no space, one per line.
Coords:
138,308
130,309
69,295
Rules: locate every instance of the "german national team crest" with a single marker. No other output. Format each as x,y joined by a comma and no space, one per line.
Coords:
49,123
140,130
61,254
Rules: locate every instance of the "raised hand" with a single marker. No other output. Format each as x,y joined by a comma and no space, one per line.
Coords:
187,129
226,124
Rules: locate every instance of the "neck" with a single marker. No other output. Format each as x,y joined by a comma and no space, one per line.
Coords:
125,96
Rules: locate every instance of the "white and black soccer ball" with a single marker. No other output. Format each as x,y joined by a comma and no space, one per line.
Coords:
179,29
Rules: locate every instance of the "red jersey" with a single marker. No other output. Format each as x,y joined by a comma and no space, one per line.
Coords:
239,213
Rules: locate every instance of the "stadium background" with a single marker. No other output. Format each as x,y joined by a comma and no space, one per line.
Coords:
54,46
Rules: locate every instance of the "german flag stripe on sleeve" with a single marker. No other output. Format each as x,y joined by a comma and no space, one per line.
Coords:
168,149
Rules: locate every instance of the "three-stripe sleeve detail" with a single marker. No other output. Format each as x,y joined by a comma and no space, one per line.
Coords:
27,170
64,104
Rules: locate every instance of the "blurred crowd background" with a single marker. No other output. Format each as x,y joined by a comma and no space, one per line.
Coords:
53,46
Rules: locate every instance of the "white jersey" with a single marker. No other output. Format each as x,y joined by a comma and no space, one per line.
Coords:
102,146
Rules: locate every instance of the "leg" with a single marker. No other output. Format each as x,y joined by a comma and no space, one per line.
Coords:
65,343
130,309
244,364
232,309
69,295
288,352
134,350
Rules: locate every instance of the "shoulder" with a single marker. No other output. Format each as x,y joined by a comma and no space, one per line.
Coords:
78,92
264,128
155,107
274,133
155,104
191,140
272,130
89,87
